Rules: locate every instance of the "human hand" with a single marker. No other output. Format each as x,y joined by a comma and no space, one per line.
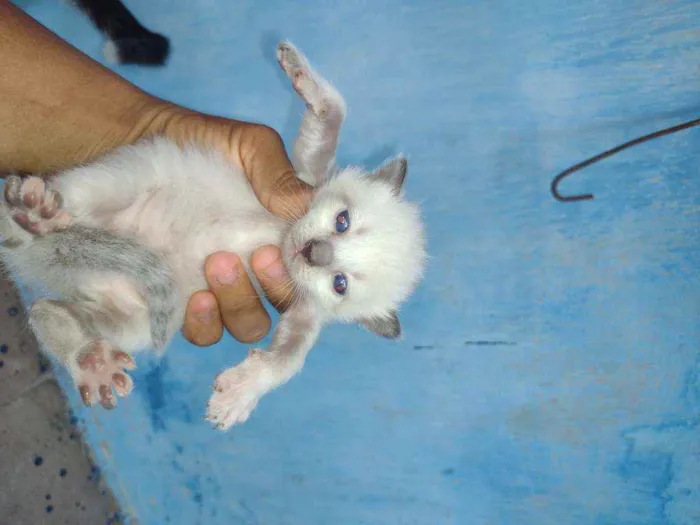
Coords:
47,128
231,301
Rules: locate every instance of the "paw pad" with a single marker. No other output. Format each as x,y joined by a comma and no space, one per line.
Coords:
34,206
101,372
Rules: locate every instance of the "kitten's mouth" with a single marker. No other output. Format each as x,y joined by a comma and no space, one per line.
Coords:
292,255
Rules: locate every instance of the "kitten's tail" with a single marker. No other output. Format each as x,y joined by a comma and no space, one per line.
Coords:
84,249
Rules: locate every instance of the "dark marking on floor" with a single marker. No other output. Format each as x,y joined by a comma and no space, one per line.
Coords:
3,349
115,519
160,396
448,472
156,395
12,311
196,488
49,509
44,364
423,347
94,474
38,460
62,472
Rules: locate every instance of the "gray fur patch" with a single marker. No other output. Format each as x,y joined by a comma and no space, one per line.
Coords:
82,248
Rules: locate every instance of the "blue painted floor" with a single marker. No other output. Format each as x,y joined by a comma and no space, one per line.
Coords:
585,409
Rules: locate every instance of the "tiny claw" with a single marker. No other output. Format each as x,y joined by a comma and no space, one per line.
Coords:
86,395
107,397
124,359
122,384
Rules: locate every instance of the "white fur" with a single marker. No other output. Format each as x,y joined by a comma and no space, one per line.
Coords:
111,52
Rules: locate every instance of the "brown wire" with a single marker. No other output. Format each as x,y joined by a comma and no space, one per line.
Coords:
608,153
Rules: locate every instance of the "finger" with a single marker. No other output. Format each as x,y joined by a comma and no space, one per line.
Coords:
203,325
271,175
242,312
273,277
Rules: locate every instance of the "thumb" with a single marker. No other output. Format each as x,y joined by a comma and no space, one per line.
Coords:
273,277
270,173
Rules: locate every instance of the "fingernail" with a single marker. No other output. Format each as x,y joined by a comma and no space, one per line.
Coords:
228,277
205,317
275,271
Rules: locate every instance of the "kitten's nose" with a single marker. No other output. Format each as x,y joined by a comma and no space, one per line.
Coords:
318,253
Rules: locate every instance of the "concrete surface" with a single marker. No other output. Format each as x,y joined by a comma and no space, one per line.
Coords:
549,372
47,476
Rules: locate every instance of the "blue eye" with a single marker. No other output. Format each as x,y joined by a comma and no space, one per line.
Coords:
340,284
342,221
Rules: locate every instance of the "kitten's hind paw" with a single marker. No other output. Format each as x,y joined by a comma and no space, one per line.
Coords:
99,369
236,393
34,206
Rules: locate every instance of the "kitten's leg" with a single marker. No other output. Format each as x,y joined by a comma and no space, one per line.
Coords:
80,251
95,365
316,144
93,194
238,389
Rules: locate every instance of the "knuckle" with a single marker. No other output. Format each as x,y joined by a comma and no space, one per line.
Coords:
238,305
264,133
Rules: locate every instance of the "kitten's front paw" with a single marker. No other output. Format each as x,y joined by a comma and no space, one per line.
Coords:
99,369
237,392
303,79
34,206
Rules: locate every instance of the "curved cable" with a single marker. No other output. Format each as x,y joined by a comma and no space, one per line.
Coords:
608,153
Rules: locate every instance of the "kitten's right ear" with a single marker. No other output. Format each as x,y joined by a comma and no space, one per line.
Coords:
388,327
393,173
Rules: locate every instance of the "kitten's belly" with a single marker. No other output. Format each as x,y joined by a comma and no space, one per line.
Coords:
186,230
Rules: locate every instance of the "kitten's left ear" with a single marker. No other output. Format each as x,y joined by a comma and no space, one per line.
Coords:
388,327
393,173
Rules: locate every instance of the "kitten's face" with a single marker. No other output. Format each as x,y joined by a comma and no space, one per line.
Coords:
359,251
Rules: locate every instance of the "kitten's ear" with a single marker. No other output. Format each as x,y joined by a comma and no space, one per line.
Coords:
393,173
388,327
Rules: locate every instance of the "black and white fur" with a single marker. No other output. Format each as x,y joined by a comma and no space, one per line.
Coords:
122,244
127,41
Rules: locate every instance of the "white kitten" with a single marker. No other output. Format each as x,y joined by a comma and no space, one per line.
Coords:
123,243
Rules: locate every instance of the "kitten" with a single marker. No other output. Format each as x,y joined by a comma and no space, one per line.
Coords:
128,42
123,243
